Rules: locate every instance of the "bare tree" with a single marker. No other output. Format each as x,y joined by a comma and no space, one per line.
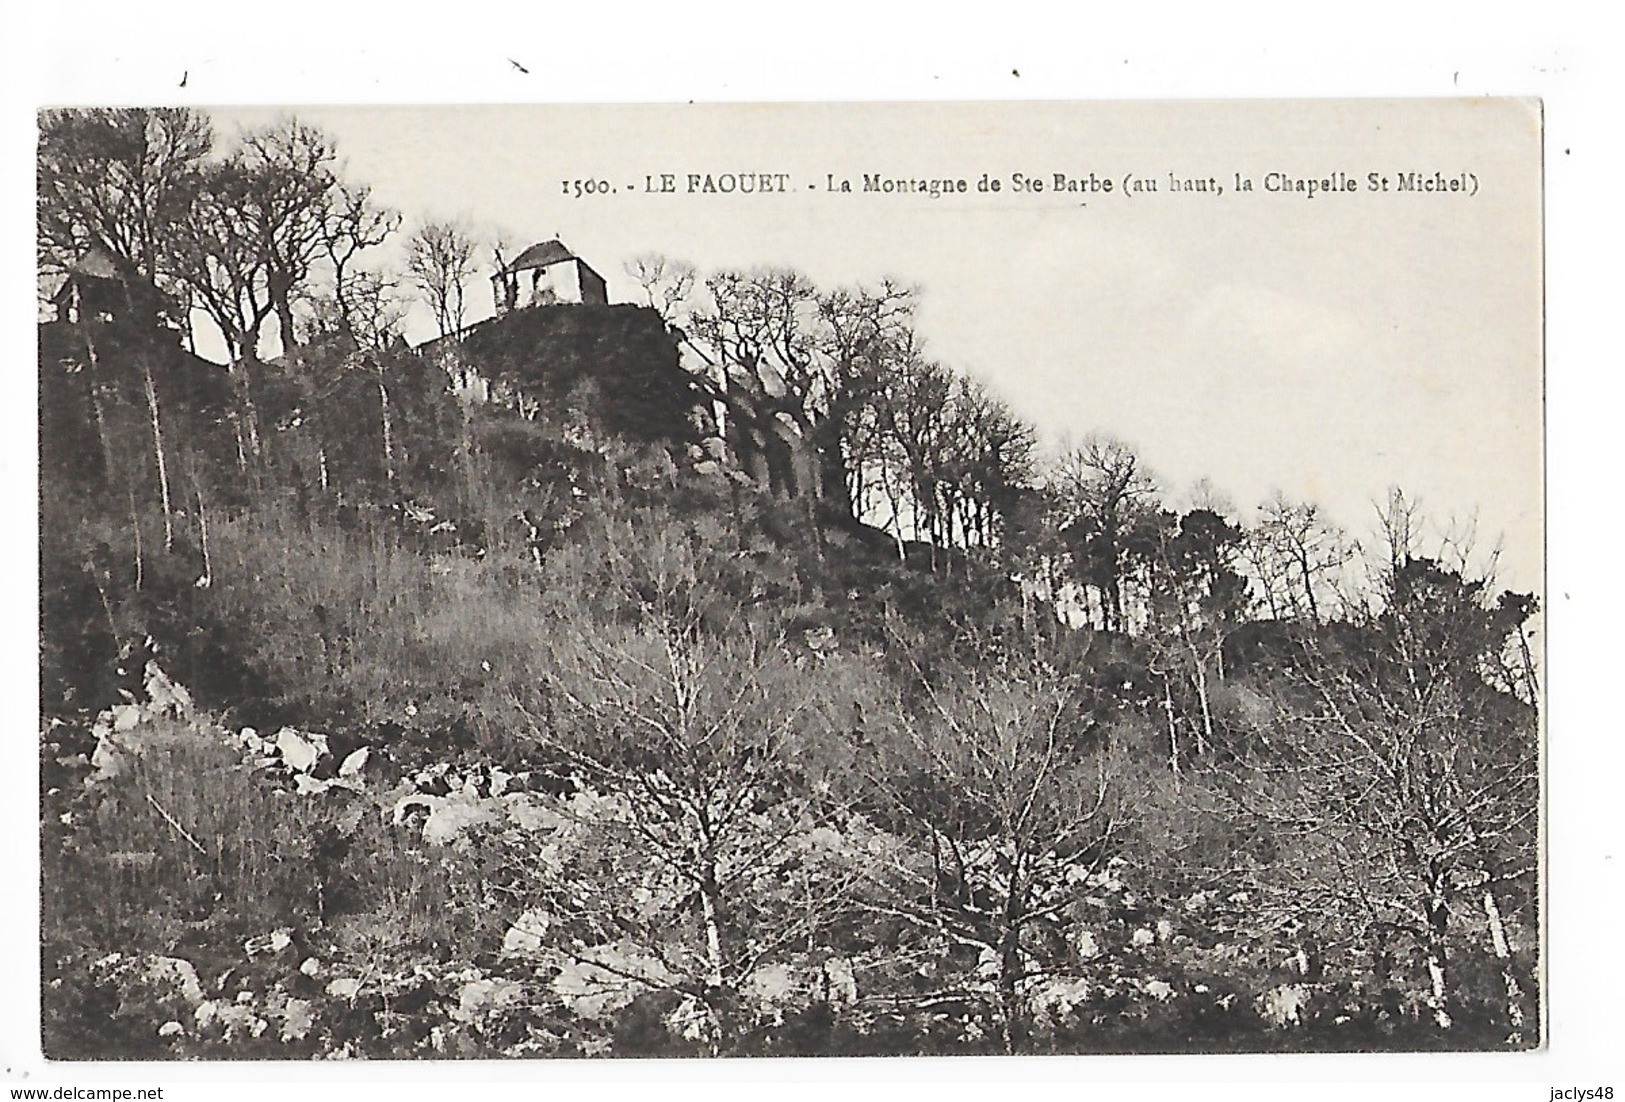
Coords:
667,285
120,180
759,331
1105,489
994,463
1404,782
863,333
795,364
946,454
354,224
292,197
367,311
1008,798
910,409
364,313
440,261
715,751
1198,598
257,225
1297,556
226,267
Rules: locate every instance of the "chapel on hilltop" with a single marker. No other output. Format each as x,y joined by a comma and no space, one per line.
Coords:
544,275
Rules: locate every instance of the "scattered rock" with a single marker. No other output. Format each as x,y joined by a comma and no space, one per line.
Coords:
1284,1006
345,987
526,936
479,998
273,942
178,975
300,753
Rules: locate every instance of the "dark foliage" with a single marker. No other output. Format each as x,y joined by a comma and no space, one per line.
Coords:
613,367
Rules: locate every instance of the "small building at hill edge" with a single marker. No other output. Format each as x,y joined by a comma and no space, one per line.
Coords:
544,275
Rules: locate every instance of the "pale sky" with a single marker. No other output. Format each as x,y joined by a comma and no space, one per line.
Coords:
1330,346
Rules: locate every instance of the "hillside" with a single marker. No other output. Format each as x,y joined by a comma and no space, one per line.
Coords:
619,364
726,679
428,717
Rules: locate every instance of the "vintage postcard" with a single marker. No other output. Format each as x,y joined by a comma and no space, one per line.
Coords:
790,580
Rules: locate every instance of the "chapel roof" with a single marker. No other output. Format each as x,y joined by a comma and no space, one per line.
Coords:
542,255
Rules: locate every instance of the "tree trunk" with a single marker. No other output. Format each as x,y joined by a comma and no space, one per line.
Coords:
1438,927
713,937
1205,738
1009,1000
203,534
94,373
340,299
1114,595
135,531
1173,728
284,321
237,434
714,964
158,453
1503,953
281,301
1436,976
241,359
389,438
1011,972
1531,683
1309,589
835,473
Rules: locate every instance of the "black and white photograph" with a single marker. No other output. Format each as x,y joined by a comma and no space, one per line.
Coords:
791,580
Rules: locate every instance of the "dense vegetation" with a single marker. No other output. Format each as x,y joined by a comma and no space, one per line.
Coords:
716,676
